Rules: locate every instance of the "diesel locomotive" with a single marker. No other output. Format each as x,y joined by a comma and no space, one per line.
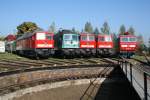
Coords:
36,44
105,45
87,44
127,45
66,43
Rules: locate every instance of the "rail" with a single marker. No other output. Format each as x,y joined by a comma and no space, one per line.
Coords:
138,75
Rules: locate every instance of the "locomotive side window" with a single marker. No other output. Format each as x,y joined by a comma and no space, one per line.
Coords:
91,38
40,36
101,39
84,38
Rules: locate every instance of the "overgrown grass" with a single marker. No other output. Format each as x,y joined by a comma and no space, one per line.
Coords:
11,56
140,57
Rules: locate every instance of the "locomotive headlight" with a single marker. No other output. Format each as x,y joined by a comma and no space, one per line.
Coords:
131,45
75,42
123,45
67,42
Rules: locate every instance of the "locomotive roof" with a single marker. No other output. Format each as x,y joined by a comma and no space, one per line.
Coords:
26,35
61,32
67,31
87,34
127,36
104,34
10,37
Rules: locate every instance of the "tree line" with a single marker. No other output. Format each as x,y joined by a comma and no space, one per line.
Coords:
27,27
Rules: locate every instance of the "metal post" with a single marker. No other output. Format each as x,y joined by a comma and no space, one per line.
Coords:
126,68
145,87
131,74
122,65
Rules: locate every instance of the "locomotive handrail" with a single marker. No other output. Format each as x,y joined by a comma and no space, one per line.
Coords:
128,67
148,61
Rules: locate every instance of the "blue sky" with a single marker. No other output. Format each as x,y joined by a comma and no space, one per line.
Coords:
75,13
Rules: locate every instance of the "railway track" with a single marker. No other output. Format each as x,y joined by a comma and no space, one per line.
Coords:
66,70
16,71
76,72
8,65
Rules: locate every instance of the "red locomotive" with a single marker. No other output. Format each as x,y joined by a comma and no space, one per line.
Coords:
127,45
37,44
104,44
87,44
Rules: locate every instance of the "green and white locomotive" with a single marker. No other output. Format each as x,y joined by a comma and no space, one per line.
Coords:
66,43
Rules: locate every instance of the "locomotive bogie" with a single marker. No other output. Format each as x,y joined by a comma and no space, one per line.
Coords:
88,52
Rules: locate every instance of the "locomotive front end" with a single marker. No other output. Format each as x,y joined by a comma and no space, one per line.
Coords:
127,45
87,44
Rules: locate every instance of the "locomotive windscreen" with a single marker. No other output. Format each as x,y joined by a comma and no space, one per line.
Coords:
75,38
91,38
108,38
128,39
87,38
67,37
40,36
49,37
84,38
124,39
105,38
71,37
132,39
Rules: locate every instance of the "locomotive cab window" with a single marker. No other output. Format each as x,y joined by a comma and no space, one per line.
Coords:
108,38
49,37
84,38
132,39
75,37
67,37
91,38
124,39
101,39
40,36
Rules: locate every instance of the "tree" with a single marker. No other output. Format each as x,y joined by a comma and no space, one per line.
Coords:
96,31
122,30
141,45
52,28
2,38
26,27
88,27
105,28
131,31
149,46
115,42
